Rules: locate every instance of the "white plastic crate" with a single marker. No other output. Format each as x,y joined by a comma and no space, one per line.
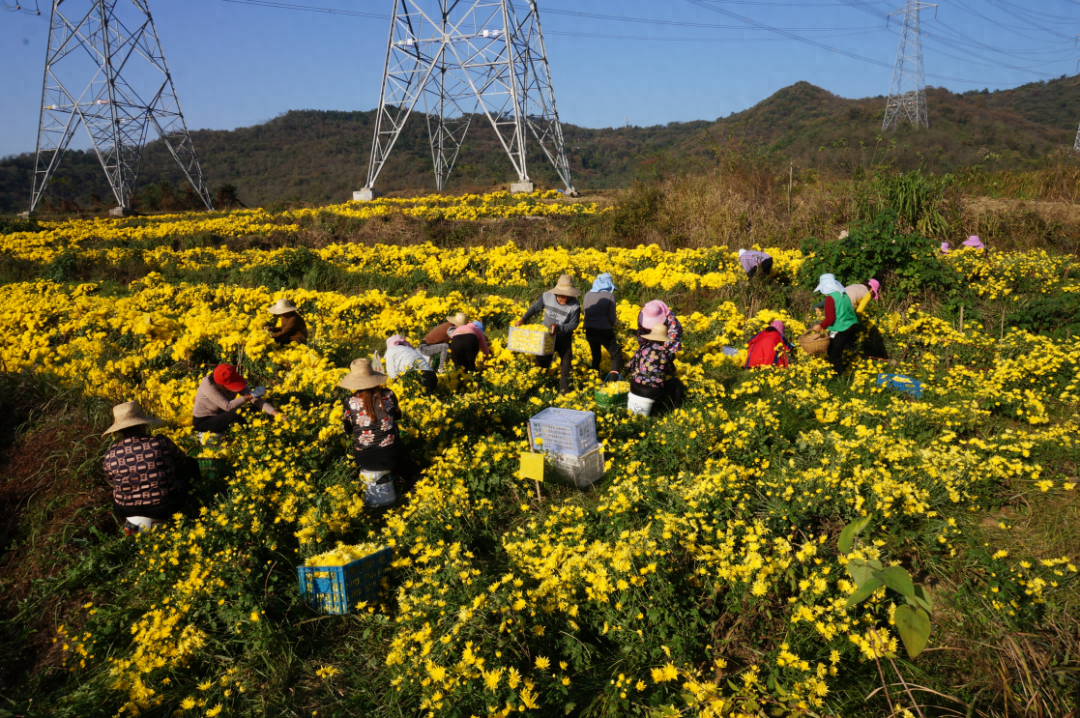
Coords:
563,431
531,341
581,471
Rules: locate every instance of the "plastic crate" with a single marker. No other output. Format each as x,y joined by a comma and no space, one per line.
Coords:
563,431
531,341
608,401
581,471
901,383
334,589
213,469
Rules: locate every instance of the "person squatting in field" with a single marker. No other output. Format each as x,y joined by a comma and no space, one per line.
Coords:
401,358
293,328
370,417
219,399
769,347
562,314
150,475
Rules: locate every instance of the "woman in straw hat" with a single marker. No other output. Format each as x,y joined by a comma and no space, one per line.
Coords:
150,475
219,398
292,328
437,340
370,418
651,370
562,313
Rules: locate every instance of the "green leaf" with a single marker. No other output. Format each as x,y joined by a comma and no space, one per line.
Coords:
896,578
913,625
922,599
847,536
860,571
875,564
865,591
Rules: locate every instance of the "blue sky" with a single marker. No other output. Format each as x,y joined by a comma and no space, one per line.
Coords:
236,64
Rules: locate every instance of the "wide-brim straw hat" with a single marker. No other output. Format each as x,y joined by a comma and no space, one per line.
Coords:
362,376
565,287
282,306
458,320
127,415
658,333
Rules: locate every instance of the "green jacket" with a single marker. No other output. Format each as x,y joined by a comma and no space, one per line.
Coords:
846,317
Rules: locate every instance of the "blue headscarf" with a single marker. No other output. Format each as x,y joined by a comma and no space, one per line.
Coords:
603,283
479,325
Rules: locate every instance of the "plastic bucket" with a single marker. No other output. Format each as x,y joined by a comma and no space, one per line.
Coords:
141,524
378,488
639,404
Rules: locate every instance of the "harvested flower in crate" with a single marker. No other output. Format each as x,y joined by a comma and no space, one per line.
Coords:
615,388
343,554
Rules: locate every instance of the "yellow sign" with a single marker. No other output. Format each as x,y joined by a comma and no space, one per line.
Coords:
532,466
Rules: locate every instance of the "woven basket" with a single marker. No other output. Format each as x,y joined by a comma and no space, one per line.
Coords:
813,343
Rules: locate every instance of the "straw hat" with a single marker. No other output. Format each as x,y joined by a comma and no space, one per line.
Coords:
127,415
282,306
362,376
458,319
657,334
565,287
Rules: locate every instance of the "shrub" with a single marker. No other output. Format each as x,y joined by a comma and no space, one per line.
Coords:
876,249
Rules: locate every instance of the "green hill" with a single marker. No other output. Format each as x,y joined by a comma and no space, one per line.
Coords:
322,156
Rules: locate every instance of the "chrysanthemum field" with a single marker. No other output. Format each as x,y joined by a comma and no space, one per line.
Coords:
700,576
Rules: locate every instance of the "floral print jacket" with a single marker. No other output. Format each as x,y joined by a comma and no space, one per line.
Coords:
372,432
652,362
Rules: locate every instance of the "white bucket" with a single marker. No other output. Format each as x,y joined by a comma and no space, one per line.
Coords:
639,404
143,523
378,488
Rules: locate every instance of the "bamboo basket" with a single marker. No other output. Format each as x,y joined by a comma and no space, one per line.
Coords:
814,343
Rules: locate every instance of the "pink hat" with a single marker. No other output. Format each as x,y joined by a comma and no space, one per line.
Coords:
944,247
974,242
396,340
654,313
778,326
875,285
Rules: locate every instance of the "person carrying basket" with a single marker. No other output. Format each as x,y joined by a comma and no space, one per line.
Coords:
840,320
562,313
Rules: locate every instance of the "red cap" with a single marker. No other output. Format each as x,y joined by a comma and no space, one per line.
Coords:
227,376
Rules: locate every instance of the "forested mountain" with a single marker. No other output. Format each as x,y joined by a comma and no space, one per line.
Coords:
322,156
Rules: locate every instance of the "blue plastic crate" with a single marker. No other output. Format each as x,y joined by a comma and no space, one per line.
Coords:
901,383
334,589
563,431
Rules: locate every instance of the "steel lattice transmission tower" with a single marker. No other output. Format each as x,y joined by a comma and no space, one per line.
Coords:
1076,144
907,95
105,70
464,58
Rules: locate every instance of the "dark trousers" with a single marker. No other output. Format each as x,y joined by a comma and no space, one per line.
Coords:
766,269
564,349
463,351
219,423
606,339
838,344
429,379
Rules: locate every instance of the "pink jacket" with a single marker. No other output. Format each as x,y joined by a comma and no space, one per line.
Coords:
476,332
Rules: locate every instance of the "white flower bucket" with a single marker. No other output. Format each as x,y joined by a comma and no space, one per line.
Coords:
143,524
639,404
378,488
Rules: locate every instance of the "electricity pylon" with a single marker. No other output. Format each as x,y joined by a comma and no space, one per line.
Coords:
465,58
109,76
907,95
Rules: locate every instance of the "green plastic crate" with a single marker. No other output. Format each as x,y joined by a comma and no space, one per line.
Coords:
609,401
